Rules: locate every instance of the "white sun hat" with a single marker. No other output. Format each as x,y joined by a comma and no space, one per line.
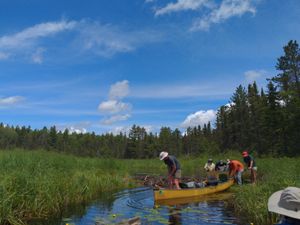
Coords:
286,202
163,155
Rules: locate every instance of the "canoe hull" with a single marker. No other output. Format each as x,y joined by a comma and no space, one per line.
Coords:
164,194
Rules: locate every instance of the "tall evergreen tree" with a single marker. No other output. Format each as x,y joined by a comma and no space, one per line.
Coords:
289,66
240,118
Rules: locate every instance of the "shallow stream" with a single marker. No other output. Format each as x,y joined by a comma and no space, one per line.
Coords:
116,207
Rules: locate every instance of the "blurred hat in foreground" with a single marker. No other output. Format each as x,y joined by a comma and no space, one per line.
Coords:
286,202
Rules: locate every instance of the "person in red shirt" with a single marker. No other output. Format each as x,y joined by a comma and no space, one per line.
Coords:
236,169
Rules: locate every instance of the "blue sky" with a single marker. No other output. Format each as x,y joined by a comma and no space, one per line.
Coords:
105,65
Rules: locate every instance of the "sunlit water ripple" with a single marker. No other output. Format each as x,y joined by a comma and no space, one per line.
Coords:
116,207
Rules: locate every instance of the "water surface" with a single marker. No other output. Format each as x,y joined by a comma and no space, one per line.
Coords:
116,207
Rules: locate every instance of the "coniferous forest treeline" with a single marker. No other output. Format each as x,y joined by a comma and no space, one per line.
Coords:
265,121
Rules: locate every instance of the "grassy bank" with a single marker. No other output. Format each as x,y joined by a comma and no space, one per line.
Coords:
38,184
41,184
274,174
249,201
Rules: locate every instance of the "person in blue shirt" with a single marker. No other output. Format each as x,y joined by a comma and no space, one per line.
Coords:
174,170
286,203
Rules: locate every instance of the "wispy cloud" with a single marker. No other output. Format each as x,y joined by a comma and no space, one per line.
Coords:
215,11
215,89
11,101
37,56
85,36
114,104
3,56
107,40
199,118
254,75
115,118
149,1
41,85
183,5
29,35
227,9
120,129
29,38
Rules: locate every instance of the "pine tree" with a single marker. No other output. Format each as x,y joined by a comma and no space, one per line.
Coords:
239,119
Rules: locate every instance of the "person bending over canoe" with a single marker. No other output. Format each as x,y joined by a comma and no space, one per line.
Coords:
250,162
174,171
221,166
236,169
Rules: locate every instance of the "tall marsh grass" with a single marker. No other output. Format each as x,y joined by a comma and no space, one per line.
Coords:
274,174
41,184
249,201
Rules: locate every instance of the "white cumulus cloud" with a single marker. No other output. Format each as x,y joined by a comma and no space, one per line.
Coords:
126,129
119,90
229,105
113,106
77,130
199,118
10,101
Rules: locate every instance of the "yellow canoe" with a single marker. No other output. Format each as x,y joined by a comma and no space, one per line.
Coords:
164,194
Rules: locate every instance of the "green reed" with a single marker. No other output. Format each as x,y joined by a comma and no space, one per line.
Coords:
41,184
274,174
249,201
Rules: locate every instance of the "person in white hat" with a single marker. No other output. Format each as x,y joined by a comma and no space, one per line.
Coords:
209,166
174,170
286,203
210,170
